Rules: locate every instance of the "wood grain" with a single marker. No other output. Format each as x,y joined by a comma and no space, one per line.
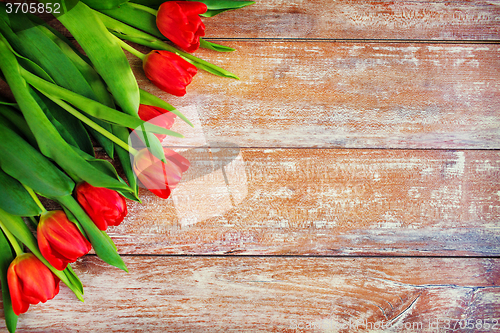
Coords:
419,20
350,179
460,20
271,294
323,202
347,95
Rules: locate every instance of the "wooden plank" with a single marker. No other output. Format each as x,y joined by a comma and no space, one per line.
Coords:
323,202
346,95
359,19
458,20
261,189
273,294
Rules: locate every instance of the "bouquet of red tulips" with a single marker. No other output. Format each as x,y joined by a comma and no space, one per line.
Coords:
64,103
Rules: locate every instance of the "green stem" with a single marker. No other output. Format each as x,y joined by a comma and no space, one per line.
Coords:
87,105
157,44
33,221
143,8
92,124
129,48
12,239
35,198
127,32
9,104
143,132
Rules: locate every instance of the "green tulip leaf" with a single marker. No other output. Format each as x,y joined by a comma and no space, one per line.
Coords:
50,143
94,108
100,164
82,64
132,196
151,142
104,4
110,241
206,66
73,278
43,102
95,83
6,257
135,17
11,38
216,47
14,198
18,158
212,13
225,4
35,45
124,157
65,122
107,168
16,119
106,55
40,22
73,219
7,103
150,99
65,67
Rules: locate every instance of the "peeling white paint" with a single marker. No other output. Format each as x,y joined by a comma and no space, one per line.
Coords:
486,166
457,169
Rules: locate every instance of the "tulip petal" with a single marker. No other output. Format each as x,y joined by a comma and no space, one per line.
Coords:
48,254
179,21
30,282
158,177
18,304
104,206
60,240
181,162
157,116
169,71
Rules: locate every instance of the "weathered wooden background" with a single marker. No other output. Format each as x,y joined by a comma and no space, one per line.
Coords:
348,182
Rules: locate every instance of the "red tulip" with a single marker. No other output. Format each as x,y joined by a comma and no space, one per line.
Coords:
59,239
157,116
168,71
156,176
180,22
104,206
30,282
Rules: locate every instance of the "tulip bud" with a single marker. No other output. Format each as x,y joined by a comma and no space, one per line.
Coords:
158,177
180,22
104,206
168,71
30,282
157,116
59,239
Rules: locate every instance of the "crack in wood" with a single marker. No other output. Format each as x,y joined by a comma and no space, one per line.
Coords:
408,308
